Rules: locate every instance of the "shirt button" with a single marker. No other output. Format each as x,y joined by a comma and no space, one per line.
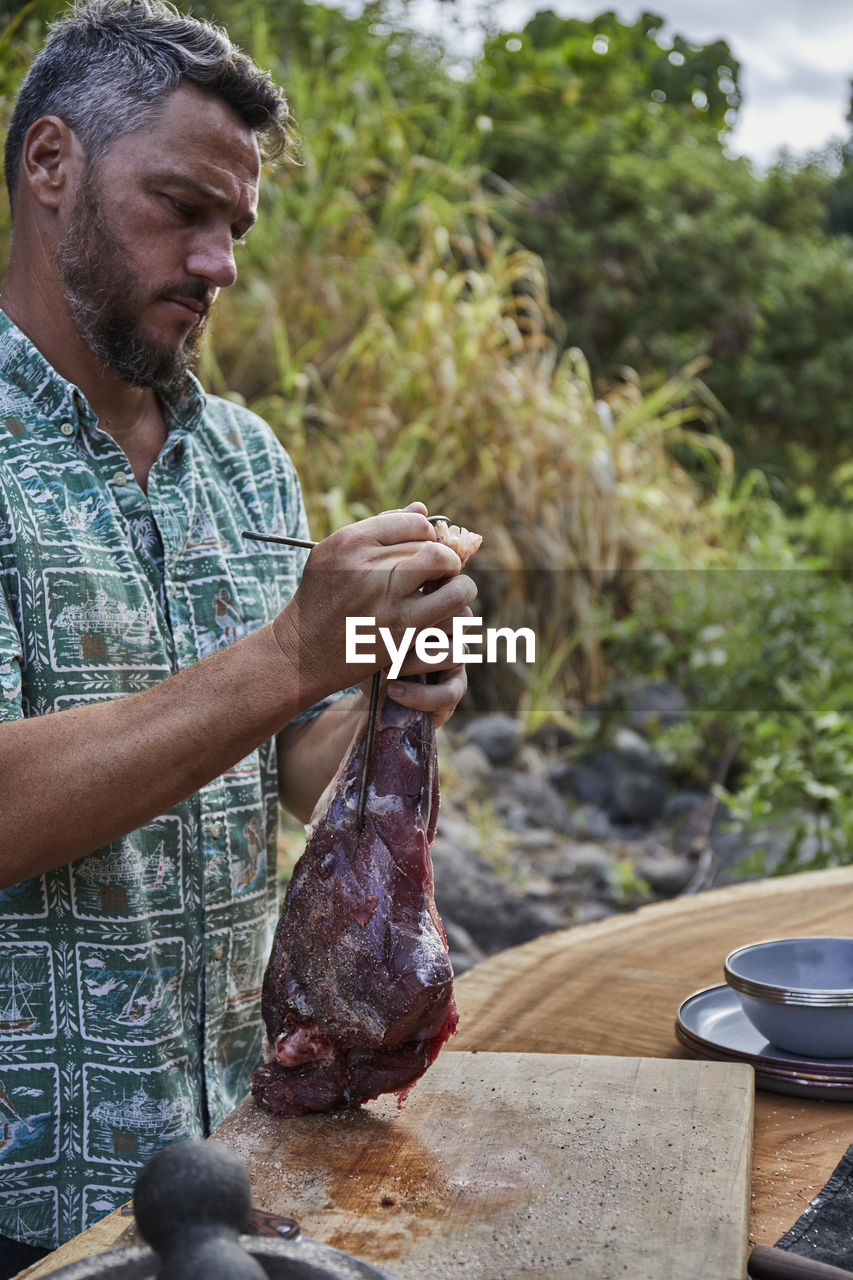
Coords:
216,830
120,479
67,428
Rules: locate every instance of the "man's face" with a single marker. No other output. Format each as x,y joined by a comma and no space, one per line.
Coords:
150,239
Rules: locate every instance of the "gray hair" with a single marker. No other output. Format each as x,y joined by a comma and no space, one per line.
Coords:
107,66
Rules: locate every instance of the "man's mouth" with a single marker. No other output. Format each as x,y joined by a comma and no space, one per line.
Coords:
195,306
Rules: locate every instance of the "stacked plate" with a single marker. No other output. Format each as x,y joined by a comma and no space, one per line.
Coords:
712,1024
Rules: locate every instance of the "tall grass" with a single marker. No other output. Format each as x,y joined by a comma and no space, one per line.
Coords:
402,347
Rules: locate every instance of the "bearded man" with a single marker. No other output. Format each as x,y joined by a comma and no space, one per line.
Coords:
163,683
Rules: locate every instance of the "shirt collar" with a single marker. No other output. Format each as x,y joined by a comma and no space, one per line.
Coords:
23,365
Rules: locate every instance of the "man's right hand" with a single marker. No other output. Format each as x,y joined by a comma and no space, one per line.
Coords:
390,568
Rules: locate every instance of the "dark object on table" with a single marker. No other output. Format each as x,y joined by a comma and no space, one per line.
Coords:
821,1235
15,1257
823,1231
191,1201
358,993
775,1264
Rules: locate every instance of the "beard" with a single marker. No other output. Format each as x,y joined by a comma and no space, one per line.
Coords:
106,298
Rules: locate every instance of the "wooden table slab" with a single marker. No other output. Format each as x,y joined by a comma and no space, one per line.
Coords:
500,1166
614,987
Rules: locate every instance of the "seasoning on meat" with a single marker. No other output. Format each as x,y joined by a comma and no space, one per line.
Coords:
358,993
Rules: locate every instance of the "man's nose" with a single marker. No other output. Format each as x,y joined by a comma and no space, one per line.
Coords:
212,257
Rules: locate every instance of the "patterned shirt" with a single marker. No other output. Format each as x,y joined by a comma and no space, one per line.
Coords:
130,979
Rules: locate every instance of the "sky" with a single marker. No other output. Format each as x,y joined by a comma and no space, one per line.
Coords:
796,59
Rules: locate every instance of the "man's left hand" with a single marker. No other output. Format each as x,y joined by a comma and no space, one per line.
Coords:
439,698
440,694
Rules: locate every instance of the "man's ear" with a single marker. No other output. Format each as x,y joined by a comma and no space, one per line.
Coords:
52,162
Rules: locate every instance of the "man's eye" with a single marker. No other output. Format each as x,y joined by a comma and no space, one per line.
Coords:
181,208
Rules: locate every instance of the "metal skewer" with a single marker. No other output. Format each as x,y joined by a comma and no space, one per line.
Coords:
368,749
377,676
371,726
277,537
304,542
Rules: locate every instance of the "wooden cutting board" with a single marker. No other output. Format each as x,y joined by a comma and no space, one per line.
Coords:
502,1165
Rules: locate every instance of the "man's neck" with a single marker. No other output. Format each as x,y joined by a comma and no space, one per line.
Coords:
131,415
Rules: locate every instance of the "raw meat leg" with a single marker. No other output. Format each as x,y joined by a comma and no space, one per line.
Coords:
358,994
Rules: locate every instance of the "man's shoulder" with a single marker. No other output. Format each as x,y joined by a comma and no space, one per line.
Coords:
19,382
31,390
17,410
229,425
233,413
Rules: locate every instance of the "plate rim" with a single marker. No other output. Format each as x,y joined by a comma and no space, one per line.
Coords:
821,1070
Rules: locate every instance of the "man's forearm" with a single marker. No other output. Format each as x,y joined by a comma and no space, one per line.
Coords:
310,753
72,781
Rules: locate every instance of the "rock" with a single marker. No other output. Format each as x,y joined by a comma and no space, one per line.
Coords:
464,952
627,781
590,912
552,738
531,759
539,888
655,705
667,873
629,743
534,841
687,816
457,831
682,804
591,823
590,861
471,763
586,783
764,848
497,735
494,912
636,796
525,802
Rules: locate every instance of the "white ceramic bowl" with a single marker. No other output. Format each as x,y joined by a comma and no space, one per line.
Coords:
798,992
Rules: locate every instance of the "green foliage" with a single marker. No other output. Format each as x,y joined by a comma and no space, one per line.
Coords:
629,889
659,246
765,654
559,76
839,204
823,525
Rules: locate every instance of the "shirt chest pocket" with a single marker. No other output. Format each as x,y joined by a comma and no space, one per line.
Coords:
225,608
